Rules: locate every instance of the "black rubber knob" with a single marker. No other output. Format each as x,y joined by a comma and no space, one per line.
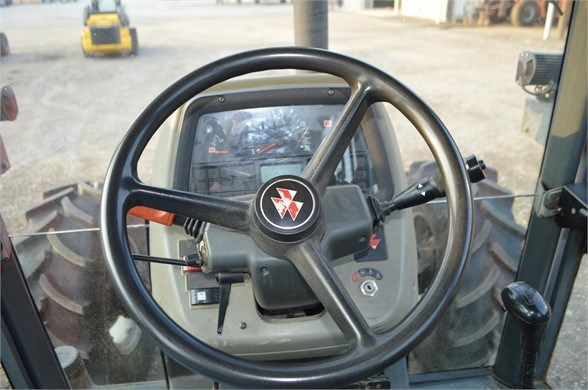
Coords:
475,168
531,312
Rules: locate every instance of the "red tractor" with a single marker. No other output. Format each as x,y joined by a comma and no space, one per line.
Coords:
519,12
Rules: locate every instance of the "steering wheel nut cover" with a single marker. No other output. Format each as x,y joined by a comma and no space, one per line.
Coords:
287,208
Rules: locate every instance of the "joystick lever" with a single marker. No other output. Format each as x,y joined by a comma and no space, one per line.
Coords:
531,313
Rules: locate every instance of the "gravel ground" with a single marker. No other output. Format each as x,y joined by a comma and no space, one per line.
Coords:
465,73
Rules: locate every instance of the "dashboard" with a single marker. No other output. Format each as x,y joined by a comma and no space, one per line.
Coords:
236,151
230,142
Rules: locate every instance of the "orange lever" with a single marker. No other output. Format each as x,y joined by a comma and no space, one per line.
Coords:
153,215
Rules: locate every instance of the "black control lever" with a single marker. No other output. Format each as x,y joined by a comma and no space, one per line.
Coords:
225,280
425,190
192,260
531,313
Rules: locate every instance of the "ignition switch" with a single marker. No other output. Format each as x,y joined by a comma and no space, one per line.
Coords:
369,288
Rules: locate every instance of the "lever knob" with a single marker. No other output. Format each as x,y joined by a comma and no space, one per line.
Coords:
475,168
531,312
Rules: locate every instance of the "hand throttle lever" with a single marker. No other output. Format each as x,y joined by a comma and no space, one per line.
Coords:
531,313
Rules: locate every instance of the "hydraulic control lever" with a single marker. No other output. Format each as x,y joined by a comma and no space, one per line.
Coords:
531,313
425,190
226,280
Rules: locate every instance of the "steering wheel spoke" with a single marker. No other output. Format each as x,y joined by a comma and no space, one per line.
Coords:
326,285
330,152
225,212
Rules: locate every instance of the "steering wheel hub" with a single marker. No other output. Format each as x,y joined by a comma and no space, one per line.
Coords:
287,208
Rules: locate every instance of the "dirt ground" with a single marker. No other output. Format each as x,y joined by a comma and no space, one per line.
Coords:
74,110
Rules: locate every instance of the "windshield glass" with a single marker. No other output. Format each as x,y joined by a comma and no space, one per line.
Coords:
84,71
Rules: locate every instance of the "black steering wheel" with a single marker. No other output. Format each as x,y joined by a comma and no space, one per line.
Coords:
370,350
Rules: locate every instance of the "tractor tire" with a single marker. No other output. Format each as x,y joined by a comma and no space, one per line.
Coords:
70,285
4,46
134,42
525,13
468,334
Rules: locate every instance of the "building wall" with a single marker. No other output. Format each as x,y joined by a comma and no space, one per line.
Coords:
352,5
435,10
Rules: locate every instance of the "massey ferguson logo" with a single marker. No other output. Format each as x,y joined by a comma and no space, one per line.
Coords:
286,203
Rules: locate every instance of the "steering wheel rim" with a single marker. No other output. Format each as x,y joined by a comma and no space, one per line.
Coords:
370,350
